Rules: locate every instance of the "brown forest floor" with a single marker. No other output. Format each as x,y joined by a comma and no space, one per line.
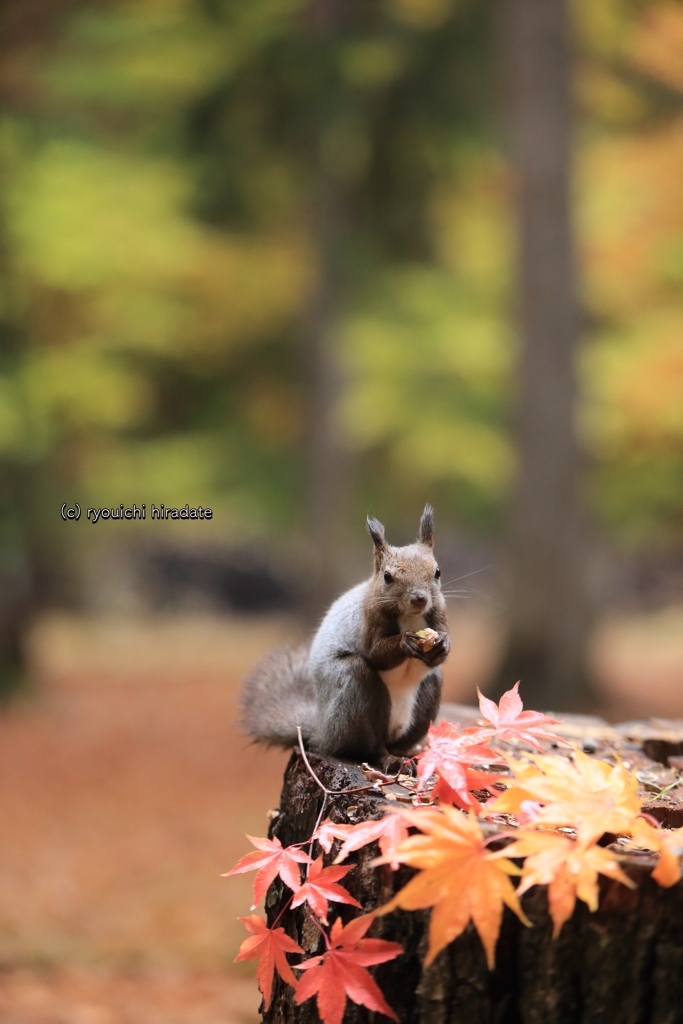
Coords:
126,789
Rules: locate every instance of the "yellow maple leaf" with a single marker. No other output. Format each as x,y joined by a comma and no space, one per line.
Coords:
570,869
586,794
459,878
668,843
511,799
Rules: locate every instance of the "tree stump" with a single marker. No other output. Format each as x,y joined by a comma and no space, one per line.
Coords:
622,964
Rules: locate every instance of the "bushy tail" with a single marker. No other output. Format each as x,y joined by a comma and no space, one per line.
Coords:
278,696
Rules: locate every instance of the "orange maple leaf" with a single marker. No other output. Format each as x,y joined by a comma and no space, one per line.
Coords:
320,886
272,860
668,843
510,722
569,869
268,946
590,795
513,799
460,878
453,756
340,971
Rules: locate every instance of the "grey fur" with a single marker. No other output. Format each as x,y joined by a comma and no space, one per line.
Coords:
278,696
353,710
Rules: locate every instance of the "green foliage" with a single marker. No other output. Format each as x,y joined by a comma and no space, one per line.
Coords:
158,257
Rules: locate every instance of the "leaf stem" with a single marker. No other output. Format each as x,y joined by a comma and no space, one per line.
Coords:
391,781
320,928
324,788
317,824
284,907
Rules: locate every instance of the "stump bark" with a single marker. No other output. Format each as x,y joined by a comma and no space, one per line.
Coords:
622,964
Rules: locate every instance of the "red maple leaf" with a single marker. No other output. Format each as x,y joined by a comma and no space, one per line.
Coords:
274,859
328,831
389,830
510,722
340,971
451,755
321,886
268,946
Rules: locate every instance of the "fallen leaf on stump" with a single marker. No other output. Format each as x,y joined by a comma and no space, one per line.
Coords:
321,887
269,860
570,869
510,722
268,946
340,971
459,878
668,843
389,831
328,831
586,794
454,757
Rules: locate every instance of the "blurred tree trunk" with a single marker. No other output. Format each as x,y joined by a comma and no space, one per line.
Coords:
16,589
32,555
326,461
549,615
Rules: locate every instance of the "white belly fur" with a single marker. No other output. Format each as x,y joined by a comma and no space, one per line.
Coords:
402,683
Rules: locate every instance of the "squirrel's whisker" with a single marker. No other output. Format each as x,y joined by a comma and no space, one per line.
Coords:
466,574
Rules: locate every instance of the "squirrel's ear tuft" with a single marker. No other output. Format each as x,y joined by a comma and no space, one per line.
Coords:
426,534
376,531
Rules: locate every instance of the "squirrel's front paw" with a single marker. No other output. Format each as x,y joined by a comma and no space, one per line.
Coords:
412,646
439,652
432,652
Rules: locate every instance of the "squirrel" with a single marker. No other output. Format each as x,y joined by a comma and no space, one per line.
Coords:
367,686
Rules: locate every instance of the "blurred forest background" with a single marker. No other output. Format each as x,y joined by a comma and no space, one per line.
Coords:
262,257
277,258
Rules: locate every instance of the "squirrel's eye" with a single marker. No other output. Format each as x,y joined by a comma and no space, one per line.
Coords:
437,573
388,578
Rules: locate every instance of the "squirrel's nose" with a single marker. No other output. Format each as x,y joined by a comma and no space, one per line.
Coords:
418,602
